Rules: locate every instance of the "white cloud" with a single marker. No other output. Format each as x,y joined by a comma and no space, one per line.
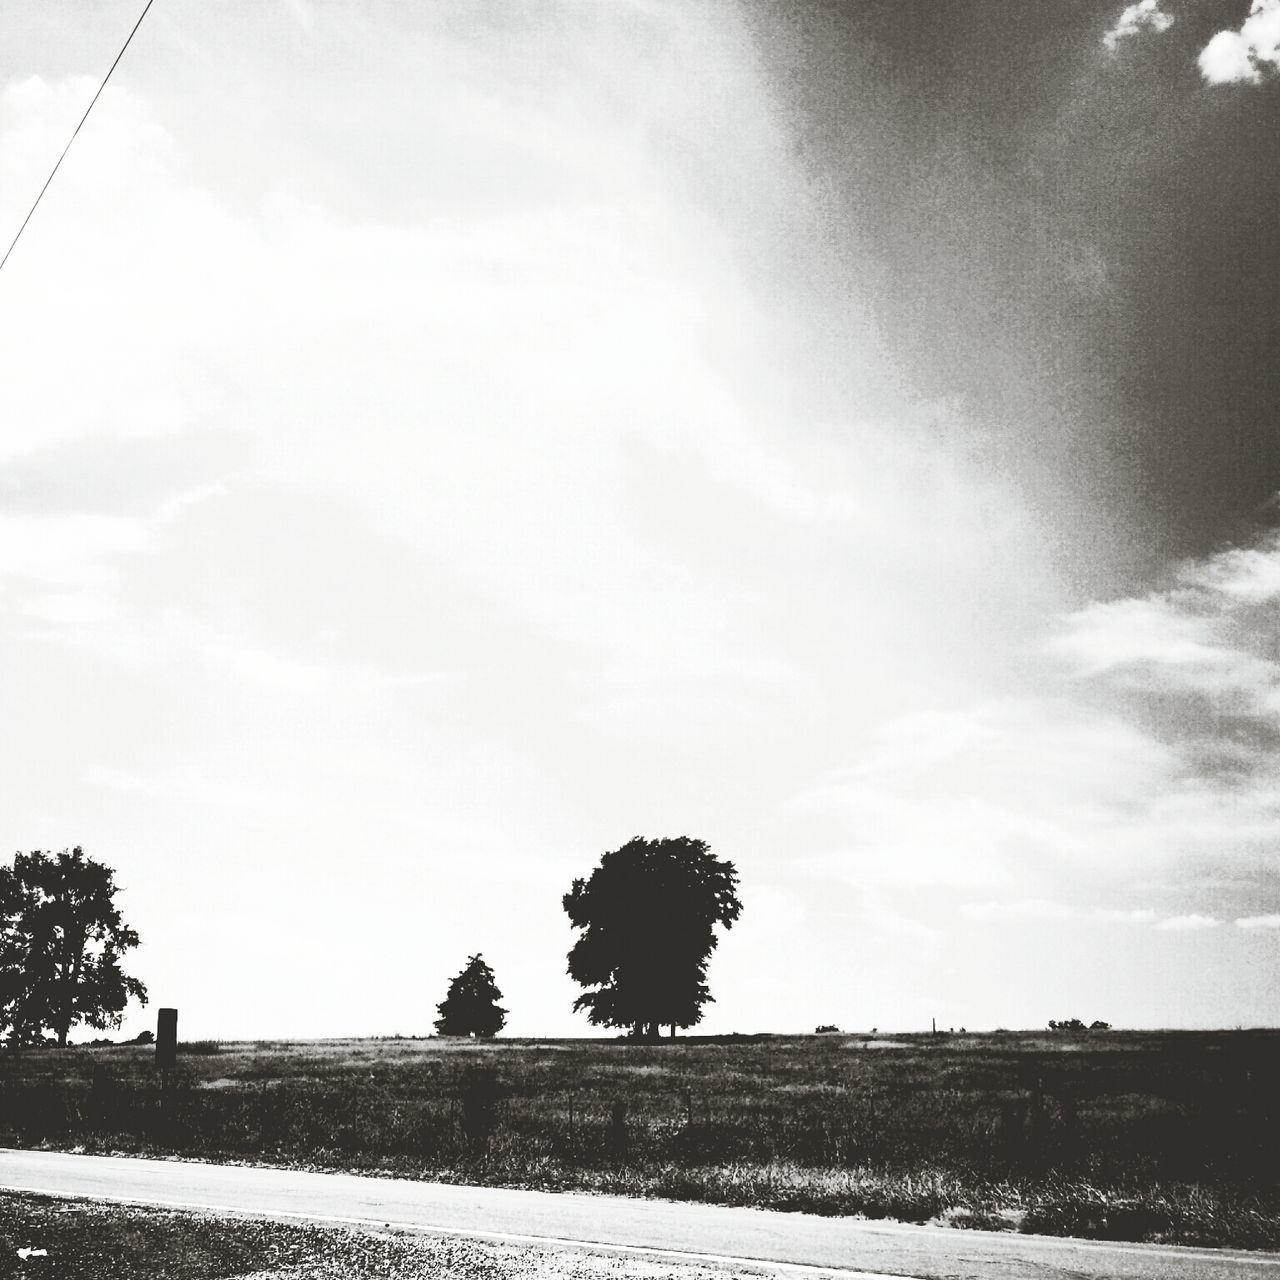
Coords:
70,567
1145,14
1190,923
71,608
191,787
1010,795
73,550
1247,575
1259,922
1209,633
266,669
1243,55
1165,638
1032,909
1122,915
1155,766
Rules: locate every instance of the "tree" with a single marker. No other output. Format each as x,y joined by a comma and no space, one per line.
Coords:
648,914
61,943
470,1008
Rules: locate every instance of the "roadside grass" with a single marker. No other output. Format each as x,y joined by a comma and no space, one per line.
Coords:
82,1240
74,1239
1171,1137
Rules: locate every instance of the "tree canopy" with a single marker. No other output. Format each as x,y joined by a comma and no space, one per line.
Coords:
648,914
470,1008
62,939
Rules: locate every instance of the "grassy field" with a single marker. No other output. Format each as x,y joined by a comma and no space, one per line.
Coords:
1169,1136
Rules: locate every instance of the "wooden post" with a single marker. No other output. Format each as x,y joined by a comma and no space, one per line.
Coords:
167,1039
166,1059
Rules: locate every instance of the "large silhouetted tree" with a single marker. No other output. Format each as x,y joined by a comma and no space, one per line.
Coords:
470,1008
648,914
61,943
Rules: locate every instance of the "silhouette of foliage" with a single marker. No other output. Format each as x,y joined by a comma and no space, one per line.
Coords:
61,943
471,1006
648,914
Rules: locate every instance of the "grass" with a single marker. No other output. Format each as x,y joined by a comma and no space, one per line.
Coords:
86,1241
1170,1137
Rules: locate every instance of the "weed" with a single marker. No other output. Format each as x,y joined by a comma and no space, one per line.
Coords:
1168,1136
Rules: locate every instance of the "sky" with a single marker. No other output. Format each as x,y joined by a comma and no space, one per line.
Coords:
440,443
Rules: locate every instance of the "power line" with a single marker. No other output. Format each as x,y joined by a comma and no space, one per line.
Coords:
67,148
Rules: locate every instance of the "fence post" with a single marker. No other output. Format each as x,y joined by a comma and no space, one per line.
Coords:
618,1128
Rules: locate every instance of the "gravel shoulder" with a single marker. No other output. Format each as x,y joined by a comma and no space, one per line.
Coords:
86,1240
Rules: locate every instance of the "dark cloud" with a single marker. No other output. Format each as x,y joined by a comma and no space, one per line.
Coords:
1076,243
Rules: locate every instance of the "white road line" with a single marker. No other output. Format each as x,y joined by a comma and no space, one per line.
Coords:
459,1232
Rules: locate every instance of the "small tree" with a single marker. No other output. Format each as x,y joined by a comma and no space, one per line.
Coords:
61,943
471,1006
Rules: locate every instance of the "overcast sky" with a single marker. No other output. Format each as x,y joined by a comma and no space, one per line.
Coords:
441,442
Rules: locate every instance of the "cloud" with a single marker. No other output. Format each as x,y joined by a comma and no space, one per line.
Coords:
587,501
1208,634
1245,575
75,550
71,567
1145,14
266,669
1040,909
1242,56
1011,794
1193,664
1034,909
1259,922
189,786
1150,761
1190,922
1121,915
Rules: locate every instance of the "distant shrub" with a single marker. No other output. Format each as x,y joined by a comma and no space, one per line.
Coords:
1099,1026
144,1037
826,1029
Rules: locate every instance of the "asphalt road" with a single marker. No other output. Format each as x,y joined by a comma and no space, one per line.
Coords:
688,1231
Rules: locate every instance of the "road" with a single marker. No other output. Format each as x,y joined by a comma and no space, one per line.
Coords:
656,1227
